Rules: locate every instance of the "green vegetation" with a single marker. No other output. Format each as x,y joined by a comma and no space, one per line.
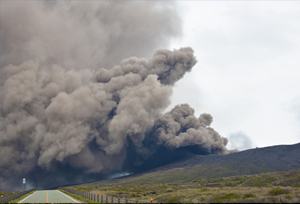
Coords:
191,175
78,197
278,191
23,196
4,194
193,192
227,197
185,185
84,189
249,195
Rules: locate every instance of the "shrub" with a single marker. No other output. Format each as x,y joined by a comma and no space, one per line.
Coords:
204,189
278,191
271,199
174,199
288,197
225,197
249,195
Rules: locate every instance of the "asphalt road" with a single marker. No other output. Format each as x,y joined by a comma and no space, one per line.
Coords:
49,196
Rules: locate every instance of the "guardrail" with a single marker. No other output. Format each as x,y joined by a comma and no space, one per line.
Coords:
15,196
101,198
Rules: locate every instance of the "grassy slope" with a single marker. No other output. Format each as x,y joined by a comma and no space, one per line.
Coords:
4,194
77,197
23,196
183,175
192,185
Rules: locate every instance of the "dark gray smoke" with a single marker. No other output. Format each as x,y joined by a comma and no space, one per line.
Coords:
64,118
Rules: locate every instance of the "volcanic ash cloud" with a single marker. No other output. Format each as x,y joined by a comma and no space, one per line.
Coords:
64,119
180,128
53,115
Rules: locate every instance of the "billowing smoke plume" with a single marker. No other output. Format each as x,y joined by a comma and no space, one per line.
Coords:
64,118
180,128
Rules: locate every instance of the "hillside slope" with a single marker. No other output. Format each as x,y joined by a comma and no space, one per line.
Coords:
248,162
276,187
252,161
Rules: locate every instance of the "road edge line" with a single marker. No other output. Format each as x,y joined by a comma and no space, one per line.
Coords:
26,198
69,197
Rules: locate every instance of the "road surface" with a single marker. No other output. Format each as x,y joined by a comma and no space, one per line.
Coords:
49,196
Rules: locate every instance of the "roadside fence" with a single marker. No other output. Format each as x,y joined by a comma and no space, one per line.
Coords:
15,196
101,198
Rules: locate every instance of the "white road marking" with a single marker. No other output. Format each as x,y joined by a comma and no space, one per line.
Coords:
69,197
26,197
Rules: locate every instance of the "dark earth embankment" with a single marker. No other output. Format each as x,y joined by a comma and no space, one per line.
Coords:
248,162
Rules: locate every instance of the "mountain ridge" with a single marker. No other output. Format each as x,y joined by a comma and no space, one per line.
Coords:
287,156
248,162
